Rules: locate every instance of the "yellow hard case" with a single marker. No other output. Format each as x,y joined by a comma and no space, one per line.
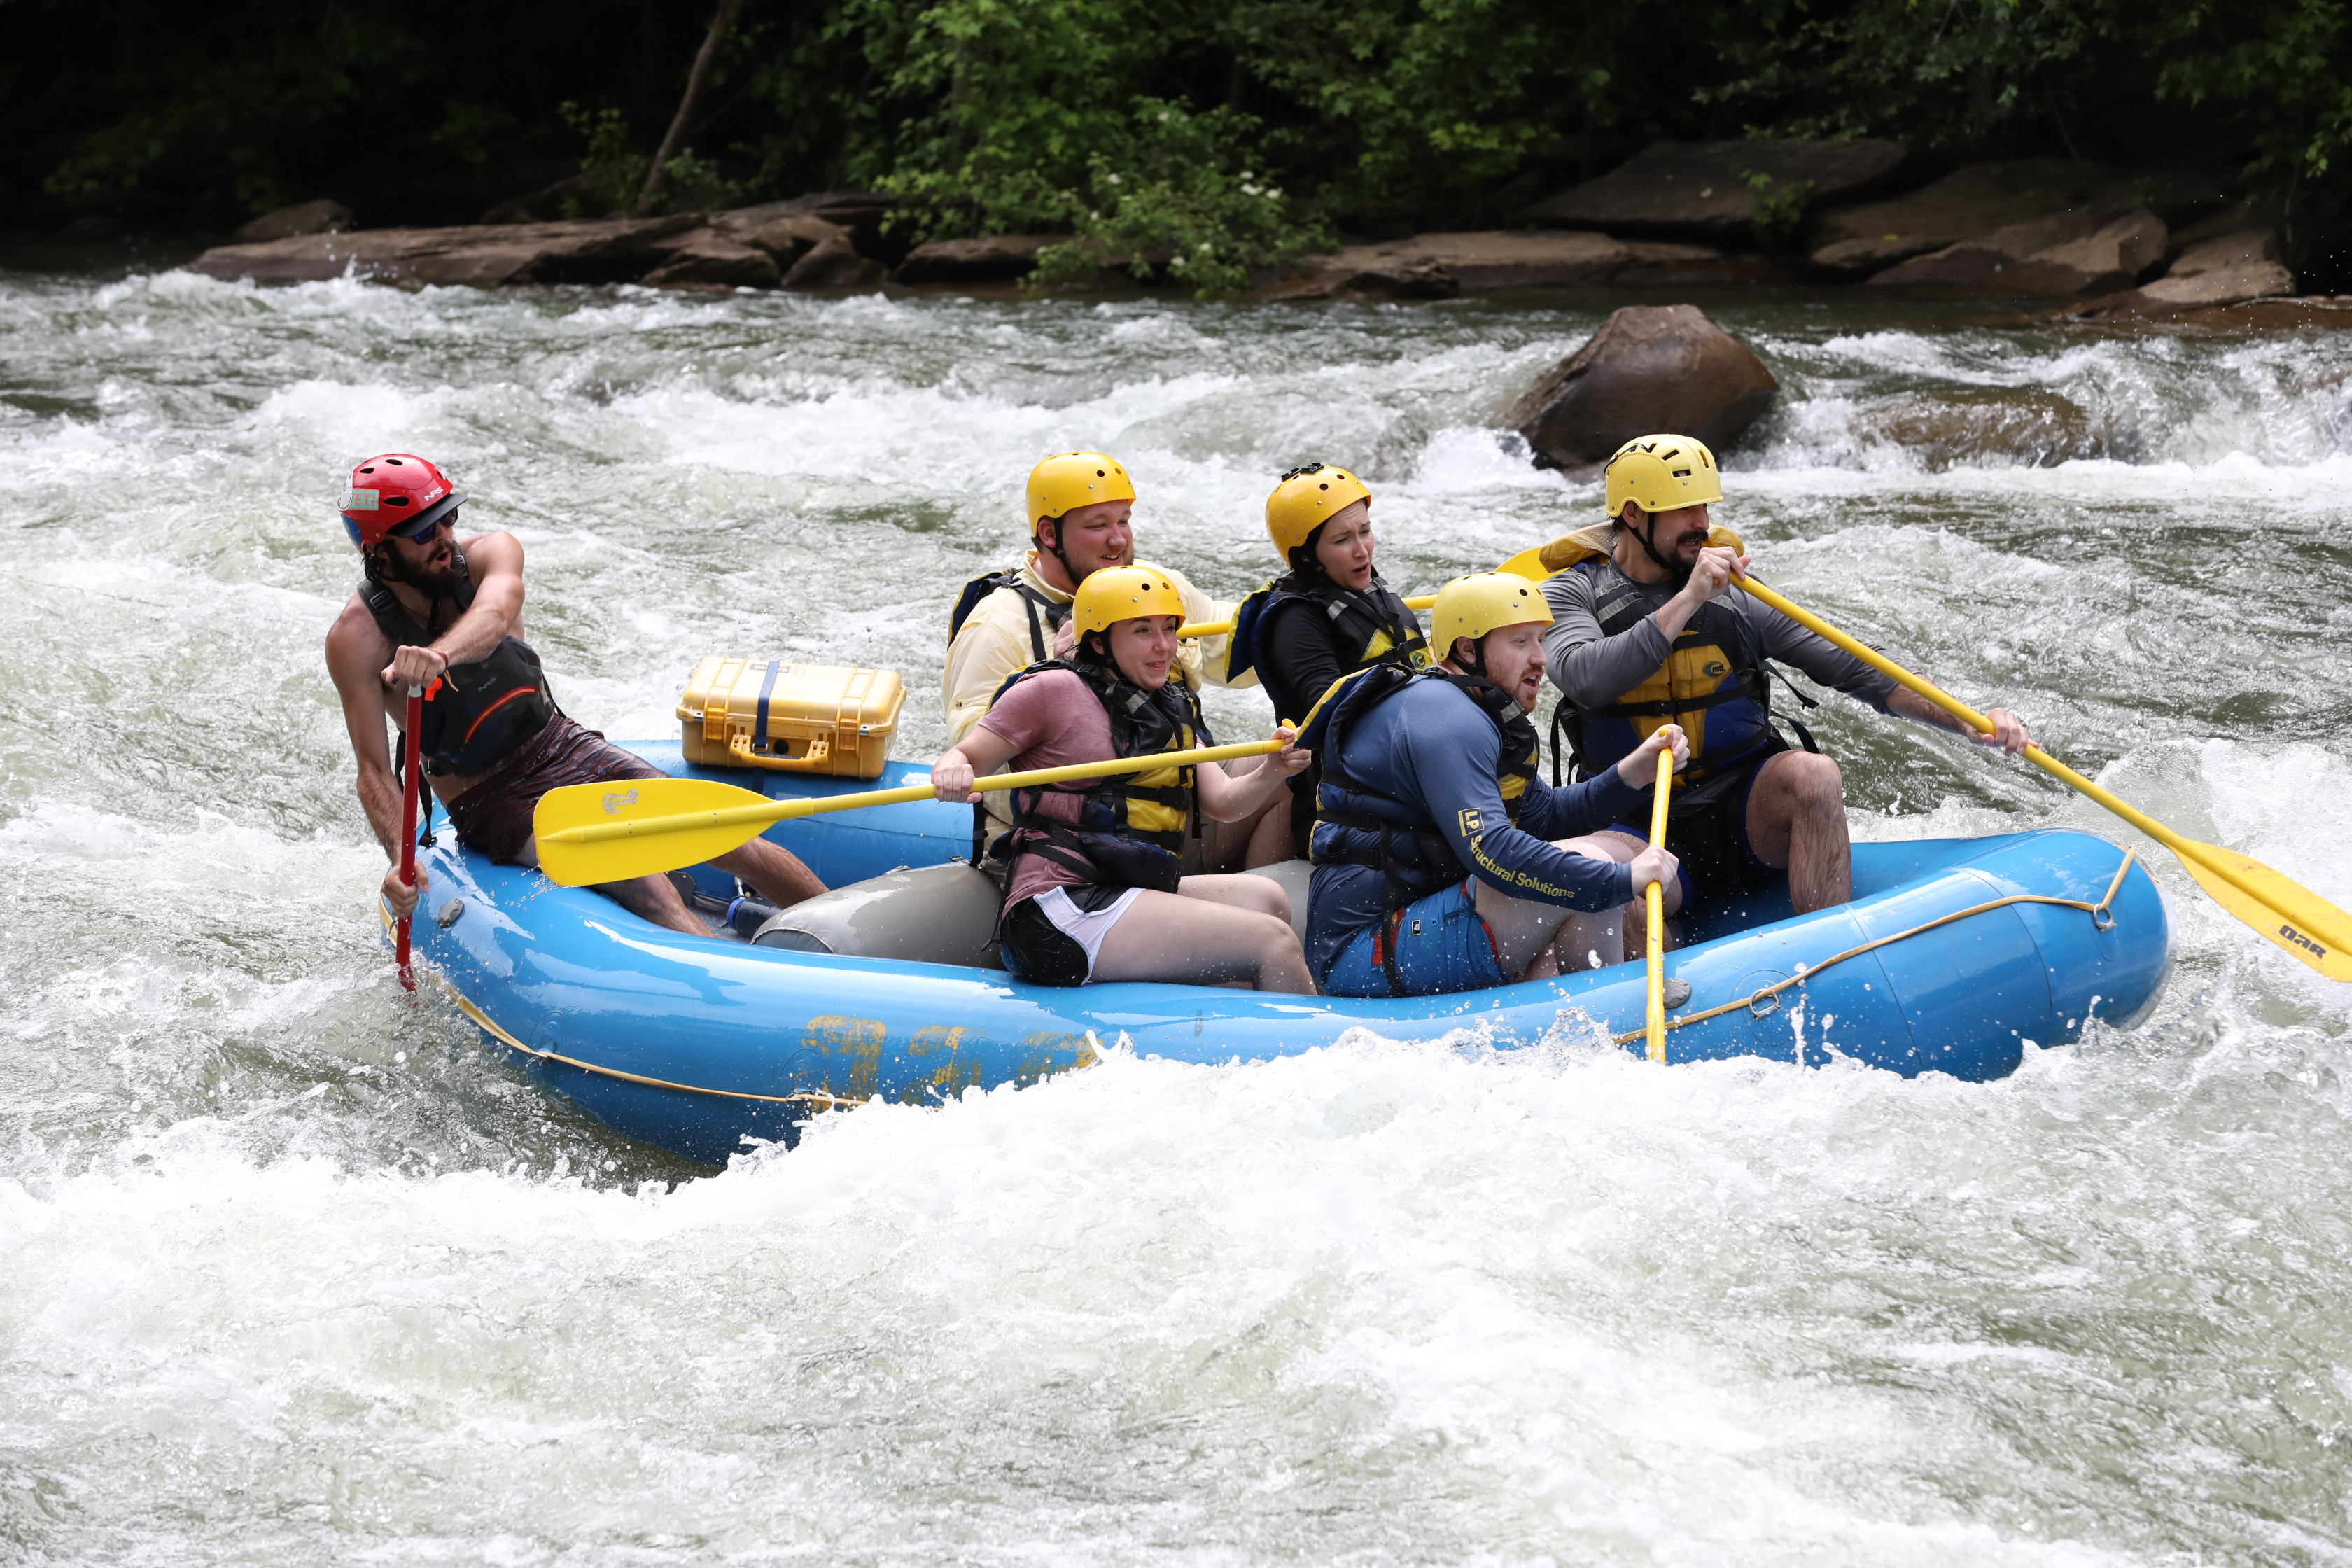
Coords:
801,718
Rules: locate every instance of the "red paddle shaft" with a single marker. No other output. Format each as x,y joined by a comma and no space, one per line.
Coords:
409,770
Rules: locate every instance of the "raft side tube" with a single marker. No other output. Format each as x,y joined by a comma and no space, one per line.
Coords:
693,1043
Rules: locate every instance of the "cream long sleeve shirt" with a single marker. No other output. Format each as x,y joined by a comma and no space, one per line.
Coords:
994,643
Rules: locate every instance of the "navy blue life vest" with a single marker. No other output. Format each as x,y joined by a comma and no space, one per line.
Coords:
1052,613
1394,837
1367,628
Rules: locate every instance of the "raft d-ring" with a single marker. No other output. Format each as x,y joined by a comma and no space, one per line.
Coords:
2102,919
1764,1005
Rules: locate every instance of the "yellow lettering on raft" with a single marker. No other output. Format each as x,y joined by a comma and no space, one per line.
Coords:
859,1040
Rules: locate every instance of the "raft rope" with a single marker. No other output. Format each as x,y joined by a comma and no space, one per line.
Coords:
2100,918
824,1099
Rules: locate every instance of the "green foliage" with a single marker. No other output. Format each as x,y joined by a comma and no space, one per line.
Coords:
1003,103
1177,194
612,171
696,182
1959,77
1153,136
2285,65
228,135
1780,210
475,133
1428,103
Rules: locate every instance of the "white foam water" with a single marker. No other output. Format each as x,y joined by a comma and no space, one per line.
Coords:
297,1273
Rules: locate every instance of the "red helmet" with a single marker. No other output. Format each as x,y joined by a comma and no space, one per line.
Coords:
398,492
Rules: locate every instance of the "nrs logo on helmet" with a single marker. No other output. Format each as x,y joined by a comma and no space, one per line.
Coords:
396,494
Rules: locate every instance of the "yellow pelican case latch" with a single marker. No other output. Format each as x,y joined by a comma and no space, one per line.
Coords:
801,718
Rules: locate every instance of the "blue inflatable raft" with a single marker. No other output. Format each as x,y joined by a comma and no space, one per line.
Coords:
1953,954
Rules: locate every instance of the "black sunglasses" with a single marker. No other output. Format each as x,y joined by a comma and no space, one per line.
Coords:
423,528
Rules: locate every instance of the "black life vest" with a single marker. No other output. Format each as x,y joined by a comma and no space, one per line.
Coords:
1131,827
1715,683
1054,612
1367,628
478,714
1393,837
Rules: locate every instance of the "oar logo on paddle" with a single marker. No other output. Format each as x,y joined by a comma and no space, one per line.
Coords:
617,799
2300,939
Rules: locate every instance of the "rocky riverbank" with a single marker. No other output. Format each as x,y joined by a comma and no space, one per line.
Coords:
2095,242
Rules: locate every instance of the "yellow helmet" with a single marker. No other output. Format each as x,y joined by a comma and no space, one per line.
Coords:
1473,606
1306,500
1121,594
1662,473
1070,480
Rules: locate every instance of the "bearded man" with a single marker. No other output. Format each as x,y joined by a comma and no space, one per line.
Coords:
1650,628
445,616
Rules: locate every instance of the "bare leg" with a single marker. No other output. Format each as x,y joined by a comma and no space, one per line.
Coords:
1796,818
1635,918
1216,929
1270,841
1535,940
652,898
656,899
774,872
1227,845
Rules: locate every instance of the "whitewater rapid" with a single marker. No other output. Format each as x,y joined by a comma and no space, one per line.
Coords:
296,1273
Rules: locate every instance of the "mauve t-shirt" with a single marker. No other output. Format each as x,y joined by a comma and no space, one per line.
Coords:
1050,721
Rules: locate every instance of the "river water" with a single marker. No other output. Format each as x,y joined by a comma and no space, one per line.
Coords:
296,1273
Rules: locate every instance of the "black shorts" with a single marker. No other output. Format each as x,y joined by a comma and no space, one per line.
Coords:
1033,948
1706,831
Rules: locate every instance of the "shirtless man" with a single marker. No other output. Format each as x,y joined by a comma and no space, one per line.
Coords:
447,616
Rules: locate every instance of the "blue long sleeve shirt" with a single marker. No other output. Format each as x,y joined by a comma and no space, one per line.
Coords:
1433,755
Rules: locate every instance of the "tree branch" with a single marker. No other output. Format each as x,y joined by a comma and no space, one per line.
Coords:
698,83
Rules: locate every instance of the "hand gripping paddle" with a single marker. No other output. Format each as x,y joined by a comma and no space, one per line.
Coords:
641,828
1656,897
409,785
2283,911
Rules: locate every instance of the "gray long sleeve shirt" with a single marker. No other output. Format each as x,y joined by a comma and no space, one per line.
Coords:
1591,668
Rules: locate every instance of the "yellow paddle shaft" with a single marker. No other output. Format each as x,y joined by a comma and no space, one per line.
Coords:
1218,628
810,806
2187,849
1656,896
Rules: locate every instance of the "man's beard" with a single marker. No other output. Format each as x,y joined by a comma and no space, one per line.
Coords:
1677,570
388,567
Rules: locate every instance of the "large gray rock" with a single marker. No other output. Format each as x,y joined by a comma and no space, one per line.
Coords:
789,238
592,250
1649,368
1442,266
992,259
2063,257
2229,222
320,216
834,264
2225,269
706,259
1701,190
858,214
1852,241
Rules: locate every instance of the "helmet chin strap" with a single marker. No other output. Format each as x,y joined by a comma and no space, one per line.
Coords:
1055,550
1476,663
1677,574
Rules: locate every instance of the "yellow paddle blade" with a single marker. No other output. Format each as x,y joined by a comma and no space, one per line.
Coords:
2289,914
1527,563
622,801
